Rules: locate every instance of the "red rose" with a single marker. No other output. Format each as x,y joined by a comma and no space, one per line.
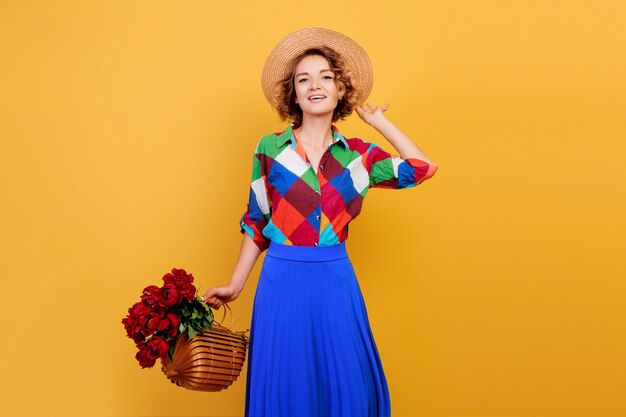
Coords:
129,325
144,357
154,325
158,347
137,317
182,281
165,322
170,295
151,295
140,311
150,351
133,330
139,338
178,277
188,291
173,323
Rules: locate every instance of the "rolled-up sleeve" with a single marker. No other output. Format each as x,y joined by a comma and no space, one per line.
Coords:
387,170
259,207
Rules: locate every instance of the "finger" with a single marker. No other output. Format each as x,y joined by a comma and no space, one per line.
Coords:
212,300
371,106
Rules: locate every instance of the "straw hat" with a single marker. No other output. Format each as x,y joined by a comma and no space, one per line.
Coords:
297,42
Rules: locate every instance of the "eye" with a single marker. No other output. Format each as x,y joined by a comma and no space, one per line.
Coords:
302,79
328,76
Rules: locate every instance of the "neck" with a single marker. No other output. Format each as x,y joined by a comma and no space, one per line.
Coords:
315,130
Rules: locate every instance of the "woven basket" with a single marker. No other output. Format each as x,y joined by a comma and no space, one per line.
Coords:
210,361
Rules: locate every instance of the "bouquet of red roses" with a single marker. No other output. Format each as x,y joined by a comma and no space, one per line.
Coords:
163,314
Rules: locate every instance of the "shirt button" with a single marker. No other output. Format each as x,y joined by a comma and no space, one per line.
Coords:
317,217
321,166
317,191
315,243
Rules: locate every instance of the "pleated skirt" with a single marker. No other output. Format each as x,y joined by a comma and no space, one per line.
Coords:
311,350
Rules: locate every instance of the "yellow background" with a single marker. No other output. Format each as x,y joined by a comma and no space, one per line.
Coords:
496,288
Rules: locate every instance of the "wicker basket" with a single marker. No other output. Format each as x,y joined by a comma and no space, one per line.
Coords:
210,361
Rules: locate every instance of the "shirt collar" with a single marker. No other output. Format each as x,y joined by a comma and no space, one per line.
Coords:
287,136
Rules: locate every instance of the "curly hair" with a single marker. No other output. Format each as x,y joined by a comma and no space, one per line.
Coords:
288,108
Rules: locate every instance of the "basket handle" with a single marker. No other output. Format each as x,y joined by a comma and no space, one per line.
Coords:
232,320
232,317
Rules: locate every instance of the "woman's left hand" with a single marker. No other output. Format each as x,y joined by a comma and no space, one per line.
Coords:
371,114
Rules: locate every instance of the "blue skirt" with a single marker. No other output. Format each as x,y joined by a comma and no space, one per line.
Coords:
311,349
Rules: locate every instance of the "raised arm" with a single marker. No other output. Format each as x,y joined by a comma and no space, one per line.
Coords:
386,170
405,147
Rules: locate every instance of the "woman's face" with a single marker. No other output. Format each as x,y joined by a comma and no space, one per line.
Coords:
313,78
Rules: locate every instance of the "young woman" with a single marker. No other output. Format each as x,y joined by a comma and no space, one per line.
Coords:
312,351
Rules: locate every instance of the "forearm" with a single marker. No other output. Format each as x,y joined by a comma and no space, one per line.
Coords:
405,147
248,255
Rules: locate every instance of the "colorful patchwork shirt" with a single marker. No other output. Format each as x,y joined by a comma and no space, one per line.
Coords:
292,204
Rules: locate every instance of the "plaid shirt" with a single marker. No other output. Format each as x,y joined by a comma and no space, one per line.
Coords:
292,204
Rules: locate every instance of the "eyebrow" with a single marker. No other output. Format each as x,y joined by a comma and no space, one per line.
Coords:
303,73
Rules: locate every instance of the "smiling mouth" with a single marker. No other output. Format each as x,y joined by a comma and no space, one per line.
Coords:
317,98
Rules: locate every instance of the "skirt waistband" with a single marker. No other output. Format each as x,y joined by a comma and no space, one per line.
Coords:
307,253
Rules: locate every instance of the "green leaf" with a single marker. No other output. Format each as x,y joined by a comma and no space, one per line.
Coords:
181,327
192,333
171,351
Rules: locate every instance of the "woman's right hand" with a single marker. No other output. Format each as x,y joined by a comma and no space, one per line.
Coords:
217,296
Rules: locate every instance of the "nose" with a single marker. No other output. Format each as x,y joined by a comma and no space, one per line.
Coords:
314,83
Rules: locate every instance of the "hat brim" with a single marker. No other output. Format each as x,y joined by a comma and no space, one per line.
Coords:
295,43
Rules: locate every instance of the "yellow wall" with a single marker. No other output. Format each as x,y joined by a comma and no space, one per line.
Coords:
494,289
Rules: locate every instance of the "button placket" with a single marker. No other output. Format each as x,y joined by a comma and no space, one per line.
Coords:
319,193
319,212
318,207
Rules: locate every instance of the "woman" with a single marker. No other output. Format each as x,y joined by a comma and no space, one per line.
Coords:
312,352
